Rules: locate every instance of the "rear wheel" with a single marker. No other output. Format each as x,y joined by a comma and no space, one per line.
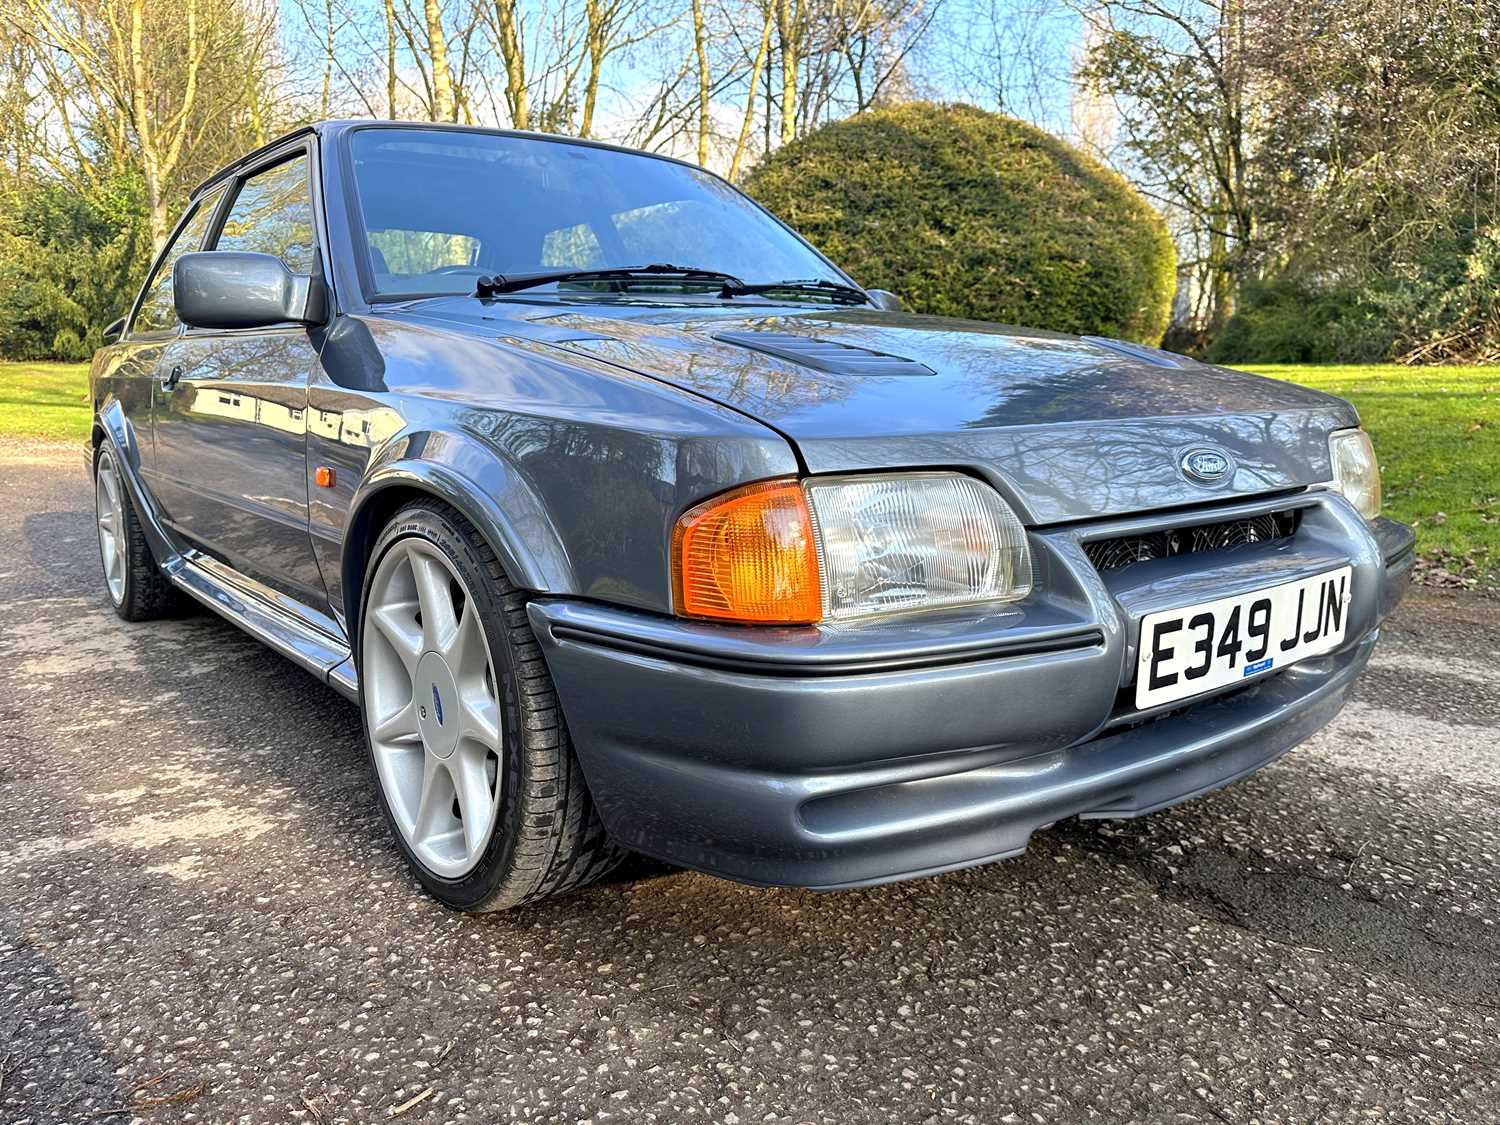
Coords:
137,588
476,774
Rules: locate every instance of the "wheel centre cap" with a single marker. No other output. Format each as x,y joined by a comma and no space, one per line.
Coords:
435,694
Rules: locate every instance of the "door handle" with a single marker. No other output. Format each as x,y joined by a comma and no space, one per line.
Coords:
171,380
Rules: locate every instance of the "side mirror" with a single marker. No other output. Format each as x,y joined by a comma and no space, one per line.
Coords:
886,300
114,330
233,289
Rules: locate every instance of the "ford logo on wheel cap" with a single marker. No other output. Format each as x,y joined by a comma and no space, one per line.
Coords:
1207,465
437,704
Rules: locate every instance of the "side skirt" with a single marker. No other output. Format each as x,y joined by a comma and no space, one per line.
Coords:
326,657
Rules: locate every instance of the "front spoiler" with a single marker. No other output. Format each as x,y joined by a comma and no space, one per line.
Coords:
828,757
685,785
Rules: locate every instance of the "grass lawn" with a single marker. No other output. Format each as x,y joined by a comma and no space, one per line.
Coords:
1436,431
1437,435
44,400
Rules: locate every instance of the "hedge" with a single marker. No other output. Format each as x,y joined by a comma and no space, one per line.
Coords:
973,214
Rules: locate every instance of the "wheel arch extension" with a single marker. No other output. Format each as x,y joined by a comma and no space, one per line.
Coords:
112,425
482,485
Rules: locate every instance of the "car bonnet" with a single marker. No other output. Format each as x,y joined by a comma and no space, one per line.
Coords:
1071,427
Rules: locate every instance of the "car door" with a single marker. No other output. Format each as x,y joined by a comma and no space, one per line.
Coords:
230,419
131,373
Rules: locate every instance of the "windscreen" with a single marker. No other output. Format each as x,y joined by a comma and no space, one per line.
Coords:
438,209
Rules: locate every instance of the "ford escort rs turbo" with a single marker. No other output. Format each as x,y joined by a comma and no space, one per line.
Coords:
630,521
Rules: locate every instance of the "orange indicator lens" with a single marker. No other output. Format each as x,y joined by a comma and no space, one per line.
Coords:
749,555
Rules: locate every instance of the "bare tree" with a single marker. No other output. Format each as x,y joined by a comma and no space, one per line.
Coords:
444,107
1008,55
510,37
700,49
1176,72
163,86
610,27
390,58
750,93
791,30
875,38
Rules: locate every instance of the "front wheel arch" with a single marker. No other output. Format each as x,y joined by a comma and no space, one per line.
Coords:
536,562
547,837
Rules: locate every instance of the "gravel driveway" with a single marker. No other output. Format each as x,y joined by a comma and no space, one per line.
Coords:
201,919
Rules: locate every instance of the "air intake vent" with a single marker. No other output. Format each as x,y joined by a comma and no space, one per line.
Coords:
1114,554
1155,356
825,355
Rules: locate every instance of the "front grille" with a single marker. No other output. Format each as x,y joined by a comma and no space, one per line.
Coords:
1224,535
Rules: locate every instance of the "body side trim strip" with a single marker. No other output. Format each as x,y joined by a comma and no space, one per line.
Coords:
1074,640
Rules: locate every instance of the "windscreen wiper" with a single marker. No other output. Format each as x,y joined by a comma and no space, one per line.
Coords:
833,290
514,282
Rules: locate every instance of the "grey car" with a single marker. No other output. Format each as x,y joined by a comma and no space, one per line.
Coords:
630,521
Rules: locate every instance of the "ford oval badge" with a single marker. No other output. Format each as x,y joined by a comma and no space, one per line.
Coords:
1207,465
437,704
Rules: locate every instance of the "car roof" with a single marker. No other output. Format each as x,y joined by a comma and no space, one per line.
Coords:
335,126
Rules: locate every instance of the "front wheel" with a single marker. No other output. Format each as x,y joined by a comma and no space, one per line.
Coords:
476,774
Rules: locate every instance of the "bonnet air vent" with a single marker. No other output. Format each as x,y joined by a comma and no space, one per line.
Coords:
825,355
1157,356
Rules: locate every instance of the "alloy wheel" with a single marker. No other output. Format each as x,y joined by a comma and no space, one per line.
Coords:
109,511
432,707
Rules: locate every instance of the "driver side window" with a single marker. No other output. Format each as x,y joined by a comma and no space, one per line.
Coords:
272,214
157,312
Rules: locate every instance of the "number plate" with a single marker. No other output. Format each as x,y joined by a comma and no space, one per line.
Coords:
1202,647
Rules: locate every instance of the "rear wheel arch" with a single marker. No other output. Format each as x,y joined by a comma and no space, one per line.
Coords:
114,428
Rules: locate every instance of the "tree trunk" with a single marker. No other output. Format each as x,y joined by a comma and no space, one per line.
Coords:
590,98
257,116
145,133
390,58
760,61
444,108
857,75
513,55
786,34
328,48
160,220
594,37
766,78
700,44
1221,285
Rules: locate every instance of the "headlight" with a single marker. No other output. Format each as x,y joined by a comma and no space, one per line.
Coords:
887,544
843,548
1355,471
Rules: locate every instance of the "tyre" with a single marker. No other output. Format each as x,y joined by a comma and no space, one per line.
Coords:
477,777
137,588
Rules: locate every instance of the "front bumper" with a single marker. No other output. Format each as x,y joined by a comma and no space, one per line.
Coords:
833,757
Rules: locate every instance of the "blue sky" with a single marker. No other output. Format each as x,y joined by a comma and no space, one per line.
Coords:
1011,55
